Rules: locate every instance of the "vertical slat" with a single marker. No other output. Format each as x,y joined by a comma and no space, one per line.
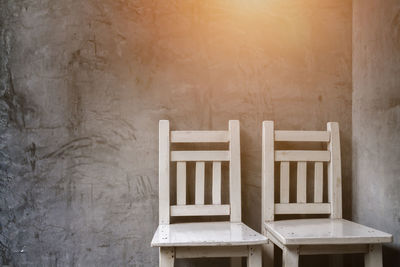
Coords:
234,172
284,182
199,195
163,172
216,183
301,182
318,182
335,172
181,183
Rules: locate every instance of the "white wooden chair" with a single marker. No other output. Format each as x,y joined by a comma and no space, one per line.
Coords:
203,239
332,235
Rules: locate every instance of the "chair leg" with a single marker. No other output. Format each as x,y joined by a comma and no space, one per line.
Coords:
236,262
290,257
167,257
254,259
374,256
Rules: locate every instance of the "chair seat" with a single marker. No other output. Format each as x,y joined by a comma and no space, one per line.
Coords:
206,234
324,232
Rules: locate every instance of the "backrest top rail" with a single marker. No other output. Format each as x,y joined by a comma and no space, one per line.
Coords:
199,136
302,136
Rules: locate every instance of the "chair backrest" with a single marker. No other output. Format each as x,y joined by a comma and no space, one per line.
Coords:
168,157
331,155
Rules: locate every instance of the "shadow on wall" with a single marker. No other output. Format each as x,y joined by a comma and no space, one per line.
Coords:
376,119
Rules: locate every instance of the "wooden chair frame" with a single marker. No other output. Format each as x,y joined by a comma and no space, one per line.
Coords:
168,252
369,244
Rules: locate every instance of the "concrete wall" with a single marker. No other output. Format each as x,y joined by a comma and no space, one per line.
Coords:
84,83
376,118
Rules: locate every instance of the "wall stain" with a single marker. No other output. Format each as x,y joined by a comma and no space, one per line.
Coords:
78,144
31,155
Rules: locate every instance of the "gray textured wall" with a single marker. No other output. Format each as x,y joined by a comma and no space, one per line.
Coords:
376,118
84,83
